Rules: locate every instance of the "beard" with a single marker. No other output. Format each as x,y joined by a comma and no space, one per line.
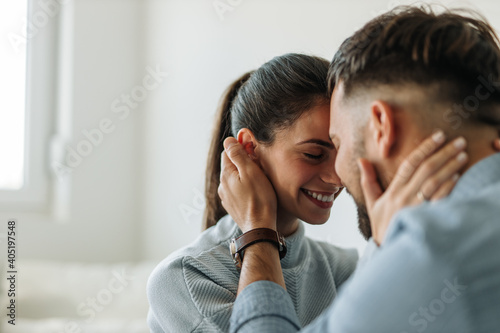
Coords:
364,224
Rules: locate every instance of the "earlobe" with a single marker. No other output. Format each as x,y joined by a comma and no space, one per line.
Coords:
383,127
247,139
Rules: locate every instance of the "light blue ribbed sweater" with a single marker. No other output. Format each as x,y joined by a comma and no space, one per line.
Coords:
193,289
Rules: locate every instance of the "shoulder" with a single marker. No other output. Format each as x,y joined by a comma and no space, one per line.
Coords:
182,288
341,261
210,239
207,252
459,232
450,224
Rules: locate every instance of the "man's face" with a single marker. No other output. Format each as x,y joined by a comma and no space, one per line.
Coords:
348,141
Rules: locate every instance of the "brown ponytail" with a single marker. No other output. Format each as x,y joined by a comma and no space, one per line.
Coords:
222,129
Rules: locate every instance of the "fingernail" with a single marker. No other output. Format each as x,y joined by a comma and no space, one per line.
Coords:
462,157
455,177
438,137
460,143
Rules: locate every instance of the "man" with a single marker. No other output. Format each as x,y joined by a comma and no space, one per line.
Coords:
437,268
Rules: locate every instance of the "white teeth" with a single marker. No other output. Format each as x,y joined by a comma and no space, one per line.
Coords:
321,197
314,195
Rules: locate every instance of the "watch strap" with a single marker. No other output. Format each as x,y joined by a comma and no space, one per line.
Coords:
238,245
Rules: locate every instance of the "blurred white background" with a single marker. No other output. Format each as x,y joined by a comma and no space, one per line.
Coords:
147,76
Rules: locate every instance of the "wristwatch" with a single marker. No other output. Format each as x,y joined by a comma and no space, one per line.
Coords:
238,245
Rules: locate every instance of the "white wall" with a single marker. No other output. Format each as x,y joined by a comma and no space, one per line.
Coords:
126,198
204,54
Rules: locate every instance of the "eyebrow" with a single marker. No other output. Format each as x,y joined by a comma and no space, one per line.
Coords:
318,142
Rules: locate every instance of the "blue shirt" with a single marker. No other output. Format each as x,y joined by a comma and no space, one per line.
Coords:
437,271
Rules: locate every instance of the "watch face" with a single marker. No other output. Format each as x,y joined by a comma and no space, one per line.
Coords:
232,247
237,261
236,256
282,246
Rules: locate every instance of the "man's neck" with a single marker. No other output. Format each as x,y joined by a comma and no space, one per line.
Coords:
477,151
479,146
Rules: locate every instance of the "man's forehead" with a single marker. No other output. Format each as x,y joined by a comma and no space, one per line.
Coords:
336,99
338,91
335,104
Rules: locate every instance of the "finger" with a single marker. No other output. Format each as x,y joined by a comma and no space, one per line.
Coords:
433,164
220,192
230,141
445,189
237,155
447,172
227,167
369,184
413,161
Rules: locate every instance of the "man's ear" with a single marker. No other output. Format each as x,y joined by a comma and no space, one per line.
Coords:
383,127
247,139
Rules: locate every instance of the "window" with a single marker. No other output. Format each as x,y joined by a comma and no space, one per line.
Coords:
28,82
13,86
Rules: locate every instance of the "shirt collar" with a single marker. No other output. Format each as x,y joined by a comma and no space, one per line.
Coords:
480,175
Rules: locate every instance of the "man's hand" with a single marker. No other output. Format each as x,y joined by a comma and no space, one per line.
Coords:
245,191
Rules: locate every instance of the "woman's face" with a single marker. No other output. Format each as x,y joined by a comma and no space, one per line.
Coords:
300,165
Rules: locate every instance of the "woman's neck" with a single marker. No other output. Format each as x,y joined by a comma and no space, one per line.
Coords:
286,224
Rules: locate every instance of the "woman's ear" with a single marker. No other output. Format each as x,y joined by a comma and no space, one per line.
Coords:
248,141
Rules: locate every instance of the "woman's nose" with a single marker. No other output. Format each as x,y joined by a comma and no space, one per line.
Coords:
329,175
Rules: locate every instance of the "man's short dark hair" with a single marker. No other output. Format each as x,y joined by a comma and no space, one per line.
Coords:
455,49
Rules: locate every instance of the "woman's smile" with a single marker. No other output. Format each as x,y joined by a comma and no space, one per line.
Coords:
321,199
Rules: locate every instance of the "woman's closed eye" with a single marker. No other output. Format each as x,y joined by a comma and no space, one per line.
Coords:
314,157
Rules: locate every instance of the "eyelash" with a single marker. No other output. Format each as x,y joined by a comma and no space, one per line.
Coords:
314,157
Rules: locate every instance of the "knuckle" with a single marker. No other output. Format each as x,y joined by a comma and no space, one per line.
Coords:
428,167
430,186
220,190
222,176
413,161
407,172
428,147
423,151
234,150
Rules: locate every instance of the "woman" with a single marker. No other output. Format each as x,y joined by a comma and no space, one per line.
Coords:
280,113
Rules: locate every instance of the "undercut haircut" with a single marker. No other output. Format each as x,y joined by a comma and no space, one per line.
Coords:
456,51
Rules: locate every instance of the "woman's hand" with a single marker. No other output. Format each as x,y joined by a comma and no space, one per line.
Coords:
245,191
424,175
